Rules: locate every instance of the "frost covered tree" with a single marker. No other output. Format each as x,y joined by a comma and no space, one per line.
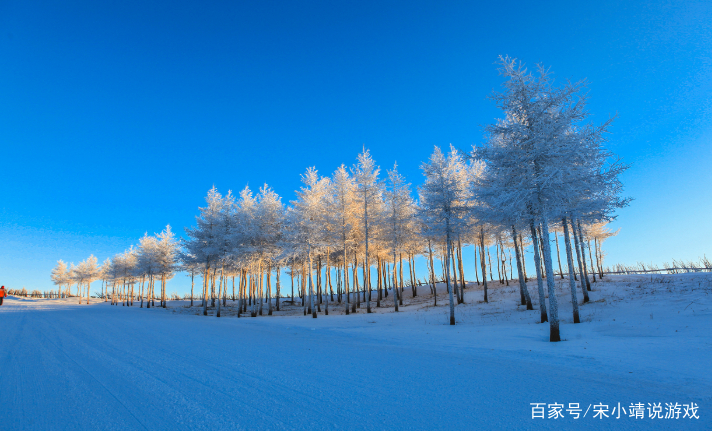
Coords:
397,218
444,200
204,241
167,259
546,152
266,235
86,273
369,200
189,265
61,276
125,263
600,232
341,218
147,264
501,201
307,222
103,268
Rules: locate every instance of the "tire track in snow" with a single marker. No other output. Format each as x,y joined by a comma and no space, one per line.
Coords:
116,367
94,378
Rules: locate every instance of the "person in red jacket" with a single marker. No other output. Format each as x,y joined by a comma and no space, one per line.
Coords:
2,294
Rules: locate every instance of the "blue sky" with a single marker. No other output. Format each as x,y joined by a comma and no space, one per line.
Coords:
116,117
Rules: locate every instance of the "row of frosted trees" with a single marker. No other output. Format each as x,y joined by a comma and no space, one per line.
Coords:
46,294
129,275
541,170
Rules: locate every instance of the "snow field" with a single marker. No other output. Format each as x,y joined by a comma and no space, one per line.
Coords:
643,339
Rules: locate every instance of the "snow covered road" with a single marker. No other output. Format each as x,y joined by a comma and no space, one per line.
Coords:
98,367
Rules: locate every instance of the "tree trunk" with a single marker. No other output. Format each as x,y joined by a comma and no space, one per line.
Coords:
570,262
582,242
554,334
366,278
523,291
477,275
558,255
597,248
447,272
255,280
259,298
212,288
577,244
593,268
239,295
524,260
245,293
462,270
328,275
346,281
432,274
539,280
357,288
269,289
483,262
279,287
541,252
395,289
366,282
192,284
379,281
503,262
304,288
400,271
411,270
311,285
220,286
499,261
339,289
489,257
291,276
455,284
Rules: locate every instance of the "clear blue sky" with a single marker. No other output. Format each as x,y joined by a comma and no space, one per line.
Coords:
116,117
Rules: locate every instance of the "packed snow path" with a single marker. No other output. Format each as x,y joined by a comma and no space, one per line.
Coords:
101,367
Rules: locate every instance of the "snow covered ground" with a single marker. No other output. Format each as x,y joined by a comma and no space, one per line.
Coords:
644,339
